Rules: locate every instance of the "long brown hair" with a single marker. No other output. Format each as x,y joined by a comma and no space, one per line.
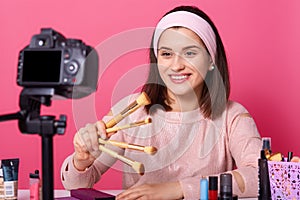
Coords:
216,89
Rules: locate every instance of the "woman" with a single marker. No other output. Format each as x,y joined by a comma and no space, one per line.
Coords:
197,130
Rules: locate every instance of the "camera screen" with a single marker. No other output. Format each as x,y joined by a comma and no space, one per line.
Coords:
42,66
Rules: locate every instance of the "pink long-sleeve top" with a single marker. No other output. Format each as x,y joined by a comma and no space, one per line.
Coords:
189,147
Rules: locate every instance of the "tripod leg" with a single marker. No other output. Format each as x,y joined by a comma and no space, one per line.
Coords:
47,167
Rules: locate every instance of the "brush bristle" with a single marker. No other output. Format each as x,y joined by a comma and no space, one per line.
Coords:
139,168
143,99
148,120
150,150
295,159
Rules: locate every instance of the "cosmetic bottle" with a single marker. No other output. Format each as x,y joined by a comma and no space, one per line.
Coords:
226,187
264,191
203,189
1,183
10,169
267,145
34,182
212,188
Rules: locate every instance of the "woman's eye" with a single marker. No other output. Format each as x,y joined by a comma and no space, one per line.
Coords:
190,53
166,54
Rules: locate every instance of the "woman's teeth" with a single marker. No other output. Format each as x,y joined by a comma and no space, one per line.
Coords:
179,77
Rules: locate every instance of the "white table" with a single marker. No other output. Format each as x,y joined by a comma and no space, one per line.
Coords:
24,194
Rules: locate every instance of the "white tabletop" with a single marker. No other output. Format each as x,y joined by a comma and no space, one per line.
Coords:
24,194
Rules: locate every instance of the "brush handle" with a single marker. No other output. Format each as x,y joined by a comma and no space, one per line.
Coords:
115,129
123,145
116,155
124,113
114,121
137,166
142,100
131,125
127,146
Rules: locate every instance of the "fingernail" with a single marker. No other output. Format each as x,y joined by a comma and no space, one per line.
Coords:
103,136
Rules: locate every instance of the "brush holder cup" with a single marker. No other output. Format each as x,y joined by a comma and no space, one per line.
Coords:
284,180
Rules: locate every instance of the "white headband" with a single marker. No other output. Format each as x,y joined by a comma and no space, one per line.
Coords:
191,21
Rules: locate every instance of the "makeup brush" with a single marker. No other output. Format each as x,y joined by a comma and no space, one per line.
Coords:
137,166
131,125
147,149
142,100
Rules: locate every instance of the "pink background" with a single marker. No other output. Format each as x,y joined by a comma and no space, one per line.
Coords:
260,37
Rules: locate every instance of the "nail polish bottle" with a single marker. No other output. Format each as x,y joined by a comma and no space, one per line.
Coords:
212,188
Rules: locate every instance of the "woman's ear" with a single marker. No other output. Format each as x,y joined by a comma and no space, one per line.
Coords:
211,65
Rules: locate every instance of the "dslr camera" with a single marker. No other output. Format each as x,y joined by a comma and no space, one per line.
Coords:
67,66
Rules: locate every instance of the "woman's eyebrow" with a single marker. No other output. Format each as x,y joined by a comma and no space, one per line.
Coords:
191,46
165,48
184,48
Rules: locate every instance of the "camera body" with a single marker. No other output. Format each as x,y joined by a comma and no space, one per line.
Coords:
52,61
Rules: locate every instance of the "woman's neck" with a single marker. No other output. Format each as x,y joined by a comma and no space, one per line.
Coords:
184,103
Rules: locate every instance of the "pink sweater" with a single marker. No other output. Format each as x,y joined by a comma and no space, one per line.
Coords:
189,147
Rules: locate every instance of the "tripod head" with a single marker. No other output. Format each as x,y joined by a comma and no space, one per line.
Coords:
31,121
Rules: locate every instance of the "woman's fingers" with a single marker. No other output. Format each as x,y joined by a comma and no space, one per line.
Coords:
101,128
162,191
86,139
78,142
131,193
92,137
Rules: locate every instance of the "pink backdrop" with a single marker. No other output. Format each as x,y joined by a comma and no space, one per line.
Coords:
261,39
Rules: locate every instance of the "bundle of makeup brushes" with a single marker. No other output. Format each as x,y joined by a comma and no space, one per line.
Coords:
142,100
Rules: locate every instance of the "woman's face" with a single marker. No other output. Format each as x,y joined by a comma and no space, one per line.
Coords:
182,61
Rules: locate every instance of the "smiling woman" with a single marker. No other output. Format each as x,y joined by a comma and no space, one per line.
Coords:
193,122
197,30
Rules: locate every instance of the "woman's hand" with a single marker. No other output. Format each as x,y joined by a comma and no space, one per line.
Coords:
160,191
86,144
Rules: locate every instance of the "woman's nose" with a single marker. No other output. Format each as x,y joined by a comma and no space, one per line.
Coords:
177,63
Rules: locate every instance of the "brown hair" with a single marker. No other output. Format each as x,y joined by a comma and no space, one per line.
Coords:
216,89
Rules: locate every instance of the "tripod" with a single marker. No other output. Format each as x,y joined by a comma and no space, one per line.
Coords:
31,122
